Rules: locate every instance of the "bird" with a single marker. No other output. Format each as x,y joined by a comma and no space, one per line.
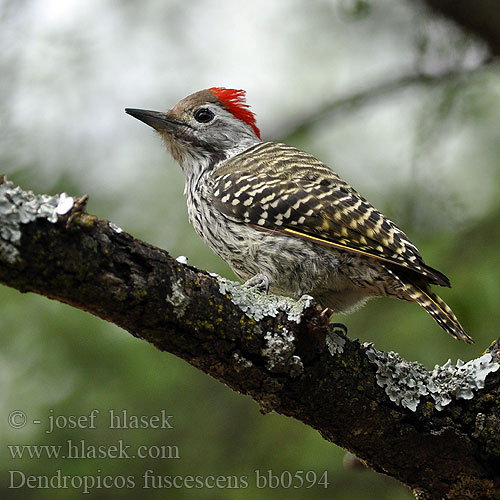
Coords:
282,219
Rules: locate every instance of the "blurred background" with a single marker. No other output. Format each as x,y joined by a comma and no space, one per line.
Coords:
400,101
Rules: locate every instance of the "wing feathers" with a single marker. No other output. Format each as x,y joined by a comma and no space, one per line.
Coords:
277,187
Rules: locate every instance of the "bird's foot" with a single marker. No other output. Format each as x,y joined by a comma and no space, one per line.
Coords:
259,281
339,328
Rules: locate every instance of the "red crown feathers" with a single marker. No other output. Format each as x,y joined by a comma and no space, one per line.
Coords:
234,101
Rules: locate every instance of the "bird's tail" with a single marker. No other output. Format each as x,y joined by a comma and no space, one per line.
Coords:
439,311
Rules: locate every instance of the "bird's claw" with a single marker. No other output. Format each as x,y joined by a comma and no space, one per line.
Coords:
259,281
339,327
326,314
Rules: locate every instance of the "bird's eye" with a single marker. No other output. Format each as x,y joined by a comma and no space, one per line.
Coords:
203,115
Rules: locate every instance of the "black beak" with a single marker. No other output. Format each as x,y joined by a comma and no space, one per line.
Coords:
155,119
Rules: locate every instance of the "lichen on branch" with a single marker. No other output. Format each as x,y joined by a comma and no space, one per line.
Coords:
281,352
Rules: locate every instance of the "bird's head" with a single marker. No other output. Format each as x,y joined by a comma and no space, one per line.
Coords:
204,128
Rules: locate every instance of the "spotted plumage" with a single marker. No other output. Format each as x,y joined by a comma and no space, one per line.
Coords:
269,208
280,188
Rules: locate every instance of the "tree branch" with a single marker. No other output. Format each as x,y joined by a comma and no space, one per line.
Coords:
481,18
335,109
436,432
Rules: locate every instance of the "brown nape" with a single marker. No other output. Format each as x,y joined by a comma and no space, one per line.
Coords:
191,102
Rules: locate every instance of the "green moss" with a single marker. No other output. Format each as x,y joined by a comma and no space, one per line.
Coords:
121,295
85,220
428,408
204,325
247,325
139,294
37,235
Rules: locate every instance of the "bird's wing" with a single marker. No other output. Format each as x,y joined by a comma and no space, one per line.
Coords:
276,187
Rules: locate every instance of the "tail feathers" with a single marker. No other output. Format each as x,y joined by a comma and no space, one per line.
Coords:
439,311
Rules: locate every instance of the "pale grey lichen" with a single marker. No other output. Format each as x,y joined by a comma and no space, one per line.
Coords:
257,305
298,307
240,363
279,353
479,424
178,299
65,204
295,366
334,342
115,228
21,207
182,259
406,382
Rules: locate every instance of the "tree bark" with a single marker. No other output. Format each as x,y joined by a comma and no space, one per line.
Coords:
481,18
436,432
